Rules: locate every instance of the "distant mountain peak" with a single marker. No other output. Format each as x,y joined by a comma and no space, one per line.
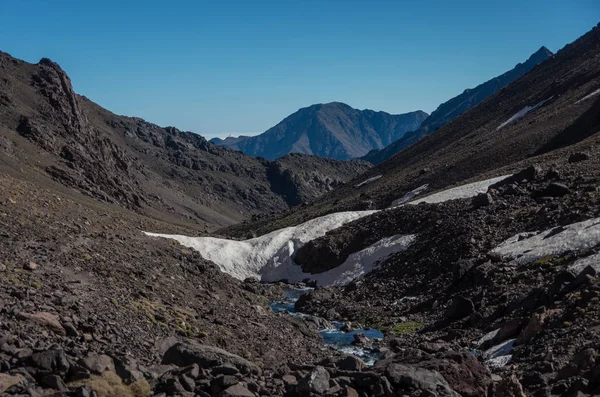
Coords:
334,130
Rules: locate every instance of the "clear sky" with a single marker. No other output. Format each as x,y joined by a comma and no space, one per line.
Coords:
230,67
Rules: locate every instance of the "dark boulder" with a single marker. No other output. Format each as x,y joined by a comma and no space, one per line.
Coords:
183,354
459,308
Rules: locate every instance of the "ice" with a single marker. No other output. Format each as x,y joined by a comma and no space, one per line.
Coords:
577,238
521,113
373,179
464,191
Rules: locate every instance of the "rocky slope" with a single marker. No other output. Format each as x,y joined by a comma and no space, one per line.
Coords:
456,106
164,172
332,130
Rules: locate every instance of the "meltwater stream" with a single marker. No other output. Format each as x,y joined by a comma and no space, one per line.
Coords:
333,337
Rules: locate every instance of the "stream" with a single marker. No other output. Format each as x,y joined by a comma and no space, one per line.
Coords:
333,337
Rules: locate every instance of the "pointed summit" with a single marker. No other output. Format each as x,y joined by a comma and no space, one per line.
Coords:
540,55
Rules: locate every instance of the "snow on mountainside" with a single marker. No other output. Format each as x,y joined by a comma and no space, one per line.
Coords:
262,256
270,257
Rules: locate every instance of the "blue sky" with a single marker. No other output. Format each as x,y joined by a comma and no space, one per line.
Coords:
221,67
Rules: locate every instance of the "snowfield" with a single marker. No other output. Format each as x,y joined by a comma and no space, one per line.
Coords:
580,264
521,113
269,257
464,191
525,248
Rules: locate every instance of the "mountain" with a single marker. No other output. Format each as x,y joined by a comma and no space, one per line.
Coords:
332,130
127,161
453,108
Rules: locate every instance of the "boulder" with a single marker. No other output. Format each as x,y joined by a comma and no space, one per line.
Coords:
407,376
459,308
350,363
50,362
317,382
184,354
237,391
98,363
482,200
554,189
48,320
7,381
578,156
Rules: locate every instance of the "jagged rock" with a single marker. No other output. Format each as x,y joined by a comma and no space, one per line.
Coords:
534,326
225,370
182,354
49,320
360,339
317,381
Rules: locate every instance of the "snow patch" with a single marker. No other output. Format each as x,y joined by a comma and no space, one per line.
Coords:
409,196
258,256
464,191
588,96
526,248
521,113
592,260
373,179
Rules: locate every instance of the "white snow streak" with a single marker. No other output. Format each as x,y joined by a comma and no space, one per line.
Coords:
464,191
521,113
588,96
526,248
373,179
409,196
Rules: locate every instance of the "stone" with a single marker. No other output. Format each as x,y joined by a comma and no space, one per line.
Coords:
578,156
533,327
289,380
554,189
237,391
407,376
7,381
351,363
31,266
54,382
360,339
226,369
461,267
482,200
509,387
48,320
98,363
184,354
187,383
50,362
225,381
459,308
317,382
